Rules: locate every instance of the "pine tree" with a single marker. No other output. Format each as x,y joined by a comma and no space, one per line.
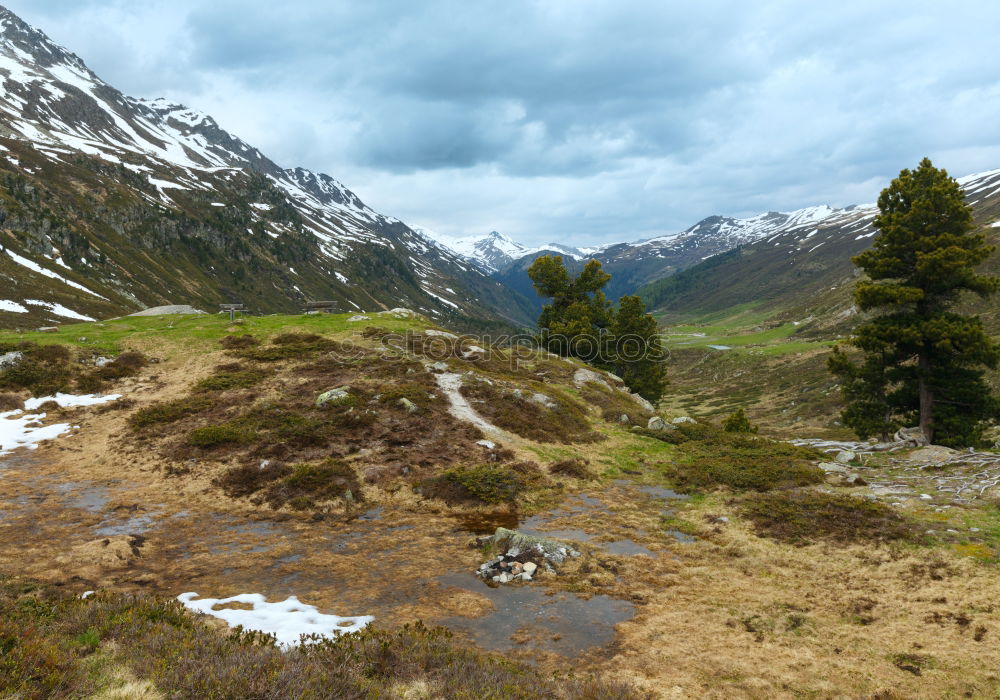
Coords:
638,353
921,360
580,322
577,321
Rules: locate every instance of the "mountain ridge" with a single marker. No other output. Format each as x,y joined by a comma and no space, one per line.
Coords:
146,202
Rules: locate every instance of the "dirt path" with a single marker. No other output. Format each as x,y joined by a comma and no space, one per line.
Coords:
450,384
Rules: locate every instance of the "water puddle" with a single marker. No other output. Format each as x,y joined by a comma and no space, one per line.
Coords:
525,617
75,494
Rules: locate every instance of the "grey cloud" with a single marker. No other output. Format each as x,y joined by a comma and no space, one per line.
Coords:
585,119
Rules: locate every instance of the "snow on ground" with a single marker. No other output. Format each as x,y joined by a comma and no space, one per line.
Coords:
31,265
287,620
12,306
71,400
19,429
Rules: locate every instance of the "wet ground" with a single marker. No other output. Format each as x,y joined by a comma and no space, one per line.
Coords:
393,563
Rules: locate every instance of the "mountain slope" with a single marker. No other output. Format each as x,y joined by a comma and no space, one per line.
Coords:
109,204
801,272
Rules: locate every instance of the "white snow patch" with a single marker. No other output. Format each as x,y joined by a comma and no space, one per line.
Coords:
12,306
31,265
19,429
71,400
287,620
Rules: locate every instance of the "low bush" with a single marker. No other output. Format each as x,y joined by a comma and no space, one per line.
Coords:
761,465
309,484
737,422
576,468
248,479
127,364
800,517
488,483
232,379
235,342
169,411
215,435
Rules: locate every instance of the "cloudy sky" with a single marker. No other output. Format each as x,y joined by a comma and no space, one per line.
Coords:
575,121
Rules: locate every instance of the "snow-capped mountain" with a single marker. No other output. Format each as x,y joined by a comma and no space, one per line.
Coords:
494,252
140,202
802,268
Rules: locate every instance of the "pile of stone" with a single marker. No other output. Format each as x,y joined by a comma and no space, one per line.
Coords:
505,568
523,556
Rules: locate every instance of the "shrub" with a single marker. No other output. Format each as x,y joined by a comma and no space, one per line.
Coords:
248,479
575,468
487,483
233,379
169,411
214,435
127,364
235,342
308,484
614,403
798,517
39,378
742,463
90,383
737,422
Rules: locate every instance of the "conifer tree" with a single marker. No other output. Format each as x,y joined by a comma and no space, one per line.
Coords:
921,360
580,322
638,353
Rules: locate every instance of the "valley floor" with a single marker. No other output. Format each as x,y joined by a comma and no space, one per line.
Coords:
675,595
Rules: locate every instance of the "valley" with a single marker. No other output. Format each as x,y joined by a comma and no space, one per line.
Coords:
666,597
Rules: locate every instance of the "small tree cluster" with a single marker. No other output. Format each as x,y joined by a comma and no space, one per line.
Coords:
580,322
919,359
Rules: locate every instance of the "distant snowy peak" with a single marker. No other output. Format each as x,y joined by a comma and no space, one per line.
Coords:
494,251
491,252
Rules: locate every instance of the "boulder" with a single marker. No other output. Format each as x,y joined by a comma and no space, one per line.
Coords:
172,310
543,400
833,468
341,396
441,334
624,419
933,454
845,457
408,405
911,436
10,359
582,376
436,367
657,423
646,405
359,317
680,420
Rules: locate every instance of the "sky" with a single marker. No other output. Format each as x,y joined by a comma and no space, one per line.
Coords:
572,121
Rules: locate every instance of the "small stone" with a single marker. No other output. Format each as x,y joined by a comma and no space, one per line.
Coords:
624,419
408,405
504,578
656,423
973,529
496,579
845,456
529,568
723,519
679,420
926,496
488,444
517,567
